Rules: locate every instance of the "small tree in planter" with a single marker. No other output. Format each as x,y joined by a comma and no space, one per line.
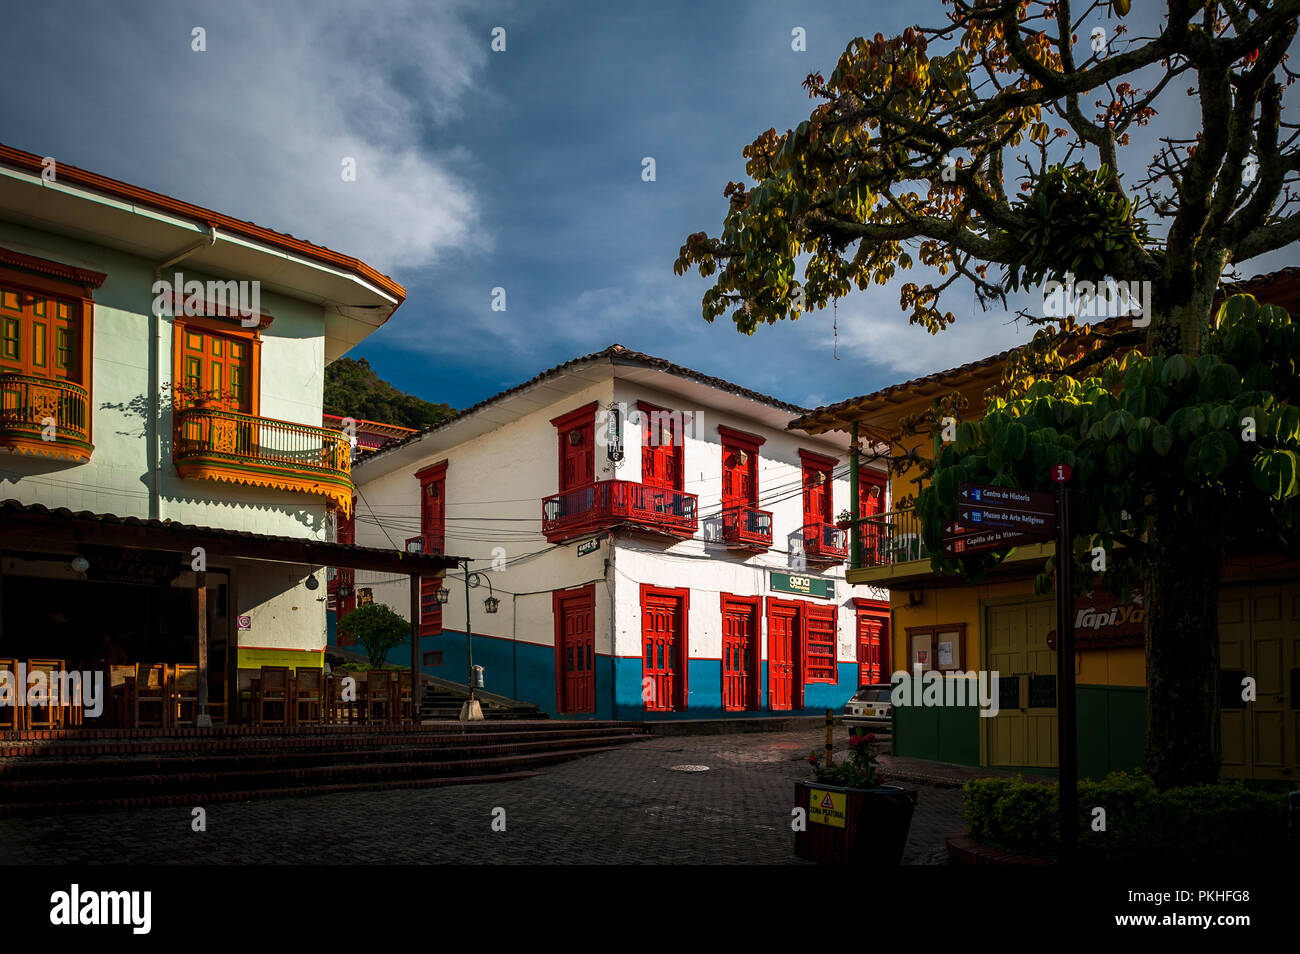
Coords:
850,815
376,628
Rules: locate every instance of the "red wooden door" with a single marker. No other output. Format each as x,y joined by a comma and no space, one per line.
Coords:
816,499
873,641
577,652
871,503
739,480
739,655
661,629
577,455
661,449
783,626
346,576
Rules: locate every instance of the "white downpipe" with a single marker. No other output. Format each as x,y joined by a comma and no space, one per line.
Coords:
155,376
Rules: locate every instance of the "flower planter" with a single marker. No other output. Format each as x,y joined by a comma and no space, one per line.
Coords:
853,825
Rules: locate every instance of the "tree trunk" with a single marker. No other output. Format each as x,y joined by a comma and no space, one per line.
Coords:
1181,586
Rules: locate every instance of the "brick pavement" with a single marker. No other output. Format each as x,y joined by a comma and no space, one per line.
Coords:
622,807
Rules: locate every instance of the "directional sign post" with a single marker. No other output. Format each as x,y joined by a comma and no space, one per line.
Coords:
1029,512
1066,741
957,542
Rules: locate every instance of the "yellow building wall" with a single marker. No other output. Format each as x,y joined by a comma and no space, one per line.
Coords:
940,606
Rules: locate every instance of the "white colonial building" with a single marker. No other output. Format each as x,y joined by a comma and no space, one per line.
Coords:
654,541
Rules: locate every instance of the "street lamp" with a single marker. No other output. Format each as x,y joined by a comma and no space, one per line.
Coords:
472,711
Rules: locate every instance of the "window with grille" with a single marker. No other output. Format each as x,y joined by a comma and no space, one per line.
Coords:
821,645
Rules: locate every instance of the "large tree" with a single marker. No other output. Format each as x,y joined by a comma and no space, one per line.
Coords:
989,147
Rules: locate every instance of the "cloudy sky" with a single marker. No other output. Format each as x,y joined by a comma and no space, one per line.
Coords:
478,169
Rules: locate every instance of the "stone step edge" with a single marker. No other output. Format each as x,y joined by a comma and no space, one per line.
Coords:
190,757
200,799
307,772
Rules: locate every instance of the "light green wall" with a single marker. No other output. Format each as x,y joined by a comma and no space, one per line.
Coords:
116,479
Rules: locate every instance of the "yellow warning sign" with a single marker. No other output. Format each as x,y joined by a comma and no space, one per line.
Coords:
827,808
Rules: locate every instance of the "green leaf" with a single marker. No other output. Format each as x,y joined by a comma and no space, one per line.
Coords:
1162,439
1116,460
1176,368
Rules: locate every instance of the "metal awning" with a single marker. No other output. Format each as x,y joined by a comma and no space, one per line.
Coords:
40,529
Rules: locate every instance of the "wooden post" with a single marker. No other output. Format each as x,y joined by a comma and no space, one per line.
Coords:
416,698
855,531
830,735
201,719
1066,740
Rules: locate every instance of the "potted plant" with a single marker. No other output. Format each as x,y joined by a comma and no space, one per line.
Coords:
850,815
844,521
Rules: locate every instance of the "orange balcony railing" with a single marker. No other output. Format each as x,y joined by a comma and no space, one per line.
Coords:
217,444
748,527
44,416
609,502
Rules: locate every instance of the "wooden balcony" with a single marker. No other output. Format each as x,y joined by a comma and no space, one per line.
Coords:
825,543
610,502
747,528
216,444
44,416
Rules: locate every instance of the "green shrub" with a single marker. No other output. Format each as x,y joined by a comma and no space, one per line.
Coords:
1194,824
377,629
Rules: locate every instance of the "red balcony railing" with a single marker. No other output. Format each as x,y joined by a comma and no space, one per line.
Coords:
608,502
825,543
745,526
423,544
44,416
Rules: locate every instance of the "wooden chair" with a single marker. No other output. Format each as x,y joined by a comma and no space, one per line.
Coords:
307,692
379,692
218,697
346,710
119,689
48,716
273,691
406,711
246,695
184,695
150,690
11,715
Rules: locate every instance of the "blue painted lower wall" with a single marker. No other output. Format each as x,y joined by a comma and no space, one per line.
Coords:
526,671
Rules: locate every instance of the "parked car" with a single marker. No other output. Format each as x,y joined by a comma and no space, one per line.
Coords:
871,706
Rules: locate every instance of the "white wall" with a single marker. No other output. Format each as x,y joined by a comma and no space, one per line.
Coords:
494,492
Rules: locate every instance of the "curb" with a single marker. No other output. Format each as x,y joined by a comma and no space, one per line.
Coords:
964,850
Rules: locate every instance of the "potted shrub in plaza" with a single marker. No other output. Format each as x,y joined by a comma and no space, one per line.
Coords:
849,815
